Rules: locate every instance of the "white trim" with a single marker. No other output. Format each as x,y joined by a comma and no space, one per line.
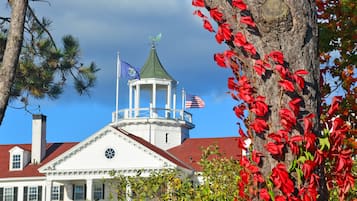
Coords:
40,178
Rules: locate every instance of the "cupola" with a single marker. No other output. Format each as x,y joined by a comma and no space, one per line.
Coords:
152,112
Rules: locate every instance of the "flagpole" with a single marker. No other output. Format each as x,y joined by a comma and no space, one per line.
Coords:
183,97
117,88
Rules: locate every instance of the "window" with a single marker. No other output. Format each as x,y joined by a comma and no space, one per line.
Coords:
98,191
78,192
8,194
32,193
57,193
16,161
109,153
166,137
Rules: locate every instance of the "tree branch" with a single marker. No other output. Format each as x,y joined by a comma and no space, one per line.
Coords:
42,26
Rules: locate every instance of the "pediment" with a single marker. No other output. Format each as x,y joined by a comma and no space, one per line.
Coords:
108,149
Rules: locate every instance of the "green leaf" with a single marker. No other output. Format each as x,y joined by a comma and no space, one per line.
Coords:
324,142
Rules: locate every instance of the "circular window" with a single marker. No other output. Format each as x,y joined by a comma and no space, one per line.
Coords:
109,153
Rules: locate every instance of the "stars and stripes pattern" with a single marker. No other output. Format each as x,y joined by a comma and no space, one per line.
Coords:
193,101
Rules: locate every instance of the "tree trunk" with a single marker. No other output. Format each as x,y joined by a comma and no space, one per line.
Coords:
289,26
12,52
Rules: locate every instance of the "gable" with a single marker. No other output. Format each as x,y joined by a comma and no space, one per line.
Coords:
123,152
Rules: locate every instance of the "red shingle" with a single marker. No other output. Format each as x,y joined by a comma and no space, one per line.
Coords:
190,151
53,150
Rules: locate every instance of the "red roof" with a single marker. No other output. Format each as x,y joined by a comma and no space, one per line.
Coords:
186,155
156,149
190,151
30,170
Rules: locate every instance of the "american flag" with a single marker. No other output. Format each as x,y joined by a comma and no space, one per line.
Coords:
193,101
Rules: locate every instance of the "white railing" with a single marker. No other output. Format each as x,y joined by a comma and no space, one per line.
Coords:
159,113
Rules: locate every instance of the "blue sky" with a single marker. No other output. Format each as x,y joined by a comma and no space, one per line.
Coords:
105,27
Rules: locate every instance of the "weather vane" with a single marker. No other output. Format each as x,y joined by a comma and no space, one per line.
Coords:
155,40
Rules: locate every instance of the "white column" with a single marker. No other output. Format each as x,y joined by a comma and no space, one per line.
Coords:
89,195
174,104
168,101
130,100
137,100
154,99
68,191
48,190
154,95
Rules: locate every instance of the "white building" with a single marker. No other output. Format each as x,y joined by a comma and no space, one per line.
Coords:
151,134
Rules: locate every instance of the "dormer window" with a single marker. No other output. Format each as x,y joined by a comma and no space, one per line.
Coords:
16,161
18,158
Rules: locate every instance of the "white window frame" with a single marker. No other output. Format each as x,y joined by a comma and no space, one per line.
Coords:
32,193
55,193
98,189
75,193
8,194
17,162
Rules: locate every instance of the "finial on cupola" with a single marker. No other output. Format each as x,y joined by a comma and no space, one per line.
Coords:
155,40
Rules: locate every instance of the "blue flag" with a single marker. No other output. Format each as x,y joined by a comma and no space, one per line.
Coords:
128,71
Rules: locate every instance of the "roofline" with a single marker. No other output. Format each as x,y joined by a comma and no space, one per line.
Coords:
31,178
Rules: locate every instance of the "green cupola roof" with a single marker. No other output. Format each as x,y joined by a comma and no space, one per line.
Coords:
153,67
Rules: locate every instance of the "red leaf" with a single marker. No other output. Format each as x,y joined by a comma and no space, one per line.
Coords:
245,90
256,156
281,180
239,39
308,168
282,71
300,81
294,105
310,140
287,85
319,157
297,138
287,118
280,198
229,53
199,14
241,143
264,195
225,30
239,110
334,105
344,160
239,4
259,125
274,148
216,15
220,59
277,56
247,20
207,25
219,38
284,134
198,3
232,85
276,137
308,123
250,48
301,72
259,107
259,67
